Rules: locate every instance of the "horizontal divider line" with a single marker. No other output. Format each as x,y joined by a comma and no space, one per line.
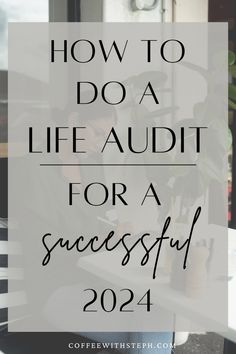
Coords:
118,164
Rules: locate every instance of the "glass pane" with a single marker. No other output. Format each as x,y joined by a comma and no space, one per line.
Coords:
19,11
14,11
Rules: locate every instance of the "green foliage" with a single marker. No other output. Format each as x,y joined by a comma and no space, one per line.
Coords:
232,87
232,58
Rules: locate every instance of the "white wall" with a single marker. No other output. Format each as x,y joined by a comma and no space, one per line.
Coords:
191,10
119,10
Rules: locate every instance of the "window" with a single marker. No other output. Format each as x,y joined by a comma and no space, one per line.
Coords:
19,11
220,11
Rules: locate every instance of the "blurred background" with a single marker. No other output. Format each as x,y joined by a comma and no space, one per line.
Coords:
108,11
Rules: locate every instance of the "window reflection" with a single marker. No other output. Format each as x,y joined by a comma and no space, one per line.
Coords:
19,11
14,11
